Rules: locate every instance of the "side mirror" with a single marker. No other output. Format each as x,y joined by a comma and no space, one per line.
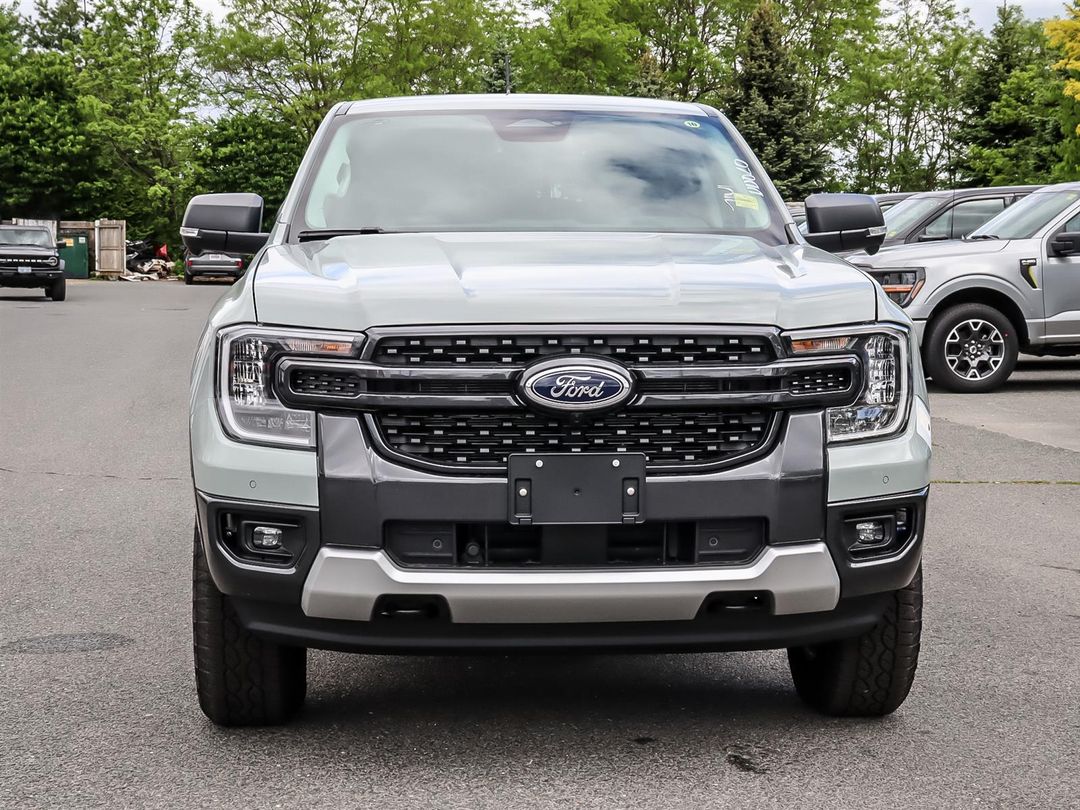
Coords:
224,223
841,222
1065,244
60,245
931,237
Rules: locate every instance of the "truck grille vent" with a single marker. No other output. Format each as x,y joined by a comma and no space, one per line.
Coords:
483,440
454,350
37,261
325,383
820,381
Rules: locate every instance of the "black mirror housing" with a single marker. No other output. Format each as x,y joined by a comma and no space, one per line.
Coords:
228,223
1065,244
842,222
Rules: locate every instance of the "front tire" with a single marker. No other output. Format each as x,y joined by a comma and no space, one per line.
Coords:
866,676
971,349
241,679
57,291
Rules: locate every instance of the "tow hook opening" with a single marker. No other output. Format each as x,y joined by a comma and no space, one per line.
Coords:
410,607
719,603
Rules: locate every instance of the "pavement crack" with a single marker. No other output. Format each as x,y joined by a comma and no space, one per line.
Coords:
112,476
1060,567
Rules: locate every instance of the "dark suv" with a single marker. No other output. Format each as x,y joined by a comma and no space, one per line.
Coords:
934,216
29,257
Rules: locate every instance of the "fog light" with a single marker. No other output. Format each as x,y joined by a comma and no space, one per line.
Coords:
266,537
869,532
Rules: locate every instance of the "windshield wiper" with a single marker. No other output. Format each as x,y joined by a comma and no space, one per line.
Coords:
330,233
973,236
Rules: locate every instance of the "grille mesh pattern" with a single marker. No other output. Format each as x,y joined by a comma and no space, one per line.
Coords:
452,350
820,381
485,439
325,383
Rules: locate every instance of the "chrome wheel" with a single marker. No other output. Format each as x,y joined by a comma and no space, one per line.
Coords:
974,349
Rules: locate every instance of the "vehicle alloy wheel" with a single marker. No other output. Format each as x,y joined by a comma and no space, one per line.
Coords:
970,348
974,349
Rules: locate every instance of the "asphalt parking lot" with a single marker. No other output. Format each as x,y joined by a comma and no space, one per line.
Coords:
97,705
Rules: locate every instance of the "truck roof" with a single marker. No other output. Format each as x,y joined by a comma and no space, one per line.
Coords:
525,101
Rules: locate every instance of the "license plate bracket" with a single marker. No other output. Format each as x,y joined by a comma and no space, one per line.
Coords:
576,488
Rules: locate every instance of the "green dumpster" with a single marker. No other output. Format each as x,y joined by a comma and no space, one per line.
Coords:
75,255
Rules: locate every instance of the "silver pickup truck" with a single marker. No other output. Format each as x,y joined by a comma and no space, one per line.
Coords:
1013,285
551,373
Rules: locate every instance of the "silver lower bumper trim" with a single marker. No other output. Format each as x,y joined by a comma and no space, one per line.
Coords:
344,584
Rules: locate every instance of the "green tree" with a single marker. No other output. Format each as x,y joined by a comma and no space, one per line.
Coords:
248,152
56,25
582,46
1064,36
900,111
296,58
48,164
692,46
1011,72
138,91
771,108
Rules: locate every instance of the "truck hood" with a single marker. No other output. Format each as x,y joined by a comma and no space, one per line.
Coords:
27,250
914,255
357,282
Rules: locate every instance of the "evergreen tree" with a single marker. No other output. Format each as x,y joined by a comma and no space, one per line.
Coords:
499,71
1011,70
771,107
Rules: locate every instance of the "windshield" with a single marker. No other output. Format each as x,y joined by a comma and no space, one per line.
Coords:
518,170
1025,218
26,236
906,213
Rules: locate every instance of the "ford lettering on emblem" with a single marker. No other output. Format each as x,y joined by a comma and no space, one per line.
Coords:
582,385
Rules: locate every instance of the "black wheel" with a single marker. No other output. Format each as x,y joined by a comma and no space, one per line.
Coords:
970,349
57,291
242,680
866,676
188,278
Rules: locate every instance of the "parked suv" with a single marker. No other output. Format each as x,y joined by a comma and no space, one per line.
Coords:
935,216
1012,286
551,373
30,257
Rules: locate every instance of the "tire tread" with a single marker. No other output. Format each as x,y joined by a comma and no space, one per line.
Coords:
867,676
241,679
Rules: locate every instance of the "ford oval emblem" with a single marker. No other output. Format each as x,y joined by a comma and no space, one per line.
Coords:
587,385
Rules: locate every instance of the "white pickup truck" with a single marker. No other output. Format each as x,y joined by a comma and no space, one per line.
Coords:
551,373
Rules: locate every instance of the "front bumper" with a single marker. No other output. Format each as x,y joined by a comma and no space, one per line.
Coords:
35,278
805,585
347,584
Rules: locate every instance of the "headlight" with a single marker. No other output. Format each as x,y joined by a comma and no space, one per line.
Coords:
247,355
884,399
53,261
901,284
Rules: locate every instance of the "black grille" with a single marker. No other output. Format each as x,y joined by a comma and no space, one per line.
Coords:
325,383
38,261
820,381
485,439
454,350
